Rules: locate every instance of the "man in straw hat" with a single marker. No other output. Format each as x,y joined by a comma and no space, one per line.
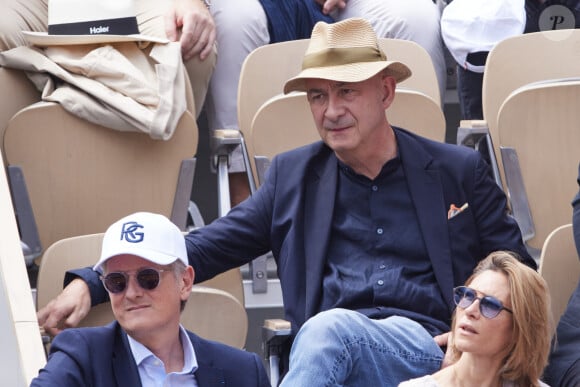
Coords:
371,228
143,266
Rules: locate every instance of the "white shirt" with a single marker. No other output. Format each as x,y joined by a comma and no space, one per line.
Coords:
429,381
152,370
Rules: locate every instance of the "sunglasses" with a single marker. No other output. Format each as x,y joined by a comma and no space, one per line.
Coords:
489,306
147,279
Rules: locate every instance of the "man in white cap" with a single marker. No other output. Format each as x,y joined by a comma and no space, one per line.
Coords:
143,266
371,228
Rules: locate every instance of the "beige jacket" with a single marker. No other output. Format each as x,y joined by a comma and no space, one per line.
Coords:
120,86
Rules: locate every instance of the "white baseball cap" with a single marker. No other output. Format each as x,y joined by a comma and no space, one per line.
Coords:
150,236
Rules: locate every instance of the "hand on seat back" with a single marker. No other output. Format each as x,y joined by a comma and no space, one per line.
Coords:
191,23
67,309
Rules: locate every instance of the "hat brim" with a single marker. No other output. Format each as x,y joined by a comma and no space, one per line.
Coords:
147,254
44,39
353,72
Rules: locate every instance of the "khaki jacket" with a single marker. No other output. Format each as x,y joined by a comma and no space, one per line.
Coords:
121,86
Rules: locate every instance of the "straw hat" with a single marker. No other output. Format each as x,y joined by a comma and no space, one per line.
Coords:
90,22
346,51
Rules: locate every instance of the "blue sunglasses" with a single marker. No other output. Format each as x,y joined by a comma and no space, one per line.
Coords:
489,306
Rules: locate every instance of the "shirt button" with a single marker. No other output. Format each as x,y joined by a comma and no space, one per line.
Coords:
380,282
375,188
382,266
380,231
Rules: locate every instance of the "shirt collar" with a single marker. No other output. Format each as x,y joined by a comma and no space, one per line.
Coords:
141,352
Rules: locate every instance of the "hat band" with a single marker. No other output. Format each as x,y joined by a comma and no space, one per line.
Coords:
120,26
342,56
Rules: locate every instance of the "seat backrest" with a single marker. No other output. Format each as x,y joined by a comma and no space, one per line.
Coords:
22,353
523,59
285,122
266,69
540,123
423,78
203,314
216,315
81,177
16,93
417,112
560,267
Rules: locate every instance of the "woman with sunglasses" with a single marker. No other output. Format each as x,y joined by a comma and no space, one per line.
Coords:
501,328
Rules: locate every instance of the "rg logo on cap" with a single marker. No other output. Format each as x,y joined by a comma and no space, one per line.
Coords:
129,233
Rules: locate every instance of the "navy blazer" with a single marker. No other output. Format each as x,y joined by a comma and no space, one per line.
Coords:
291,214
101,357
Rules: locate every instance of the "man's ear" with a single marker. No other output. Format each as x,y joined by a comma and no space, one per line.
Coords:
389,84
186,283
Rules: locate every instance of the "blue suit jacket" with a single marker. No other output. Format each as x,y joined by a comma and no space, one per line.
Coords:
291,214
101,356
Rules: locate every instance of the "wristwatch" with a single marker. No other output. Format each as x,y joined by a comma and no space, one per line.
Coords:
207,3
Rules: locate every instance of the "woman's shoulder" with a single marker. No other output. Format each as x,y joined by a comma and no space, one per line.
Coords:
425,381
507,383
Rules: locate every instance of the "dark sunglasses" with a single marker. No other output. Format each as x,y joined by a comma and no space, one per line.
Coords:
147,279
489,306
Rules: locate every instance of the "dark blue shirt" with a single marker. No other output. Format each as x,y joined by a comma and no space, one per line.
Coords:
292,19
377,261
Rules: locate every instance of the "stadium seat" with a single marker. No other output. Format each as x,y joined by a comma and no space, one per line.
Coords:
513,63
80,177
539,140
21,353
560,267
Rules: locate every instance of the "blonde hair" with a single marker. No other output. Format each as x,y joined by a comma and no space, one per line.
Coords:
532,319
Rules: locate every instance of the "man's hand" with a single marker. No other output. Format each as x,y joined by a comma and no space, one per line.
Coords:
444,340
67,309
329,6
191,23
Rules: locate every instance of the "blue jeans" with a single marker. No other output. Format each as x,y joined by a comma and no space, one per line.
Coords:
469,92
341,347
